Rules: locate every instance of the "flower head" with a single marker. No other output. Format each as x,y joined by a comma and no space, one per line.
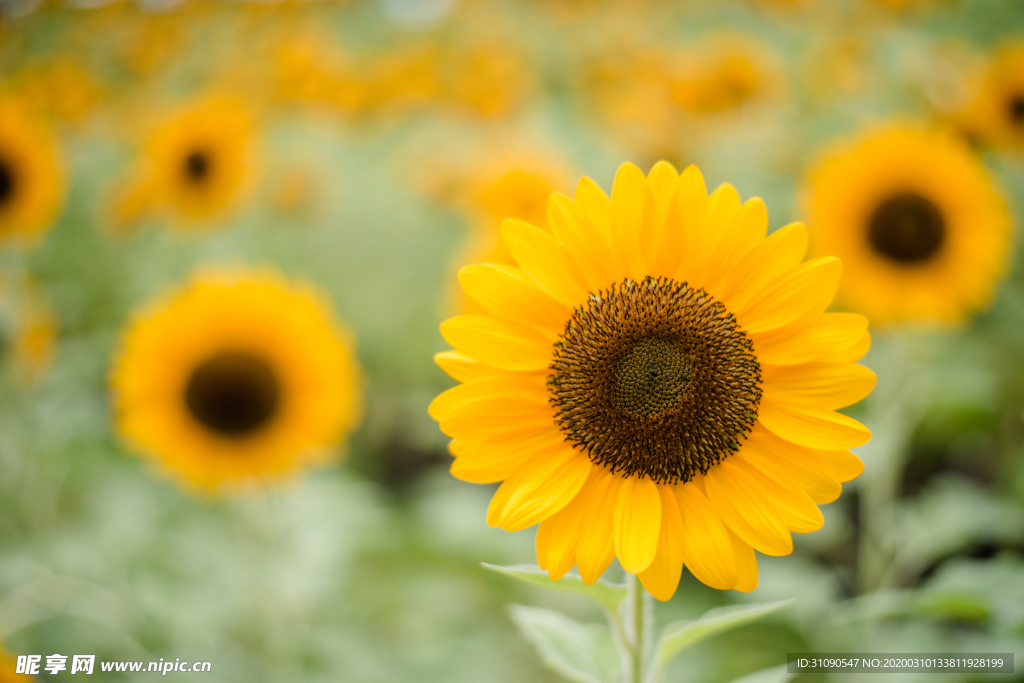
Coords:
236,376
31,173
196,164
917,222
655,380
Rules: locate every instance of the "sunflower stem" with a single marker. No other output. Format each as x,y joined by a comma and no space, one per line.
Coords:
639,620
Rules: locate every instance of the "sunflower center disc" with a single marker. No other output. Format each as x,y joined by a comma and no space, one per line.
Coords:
6,182
655,379
197,166
907,228
1015,108
233,393
652,377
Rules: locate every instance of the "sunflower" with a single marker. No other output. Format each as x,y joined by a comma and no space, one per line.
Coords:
233,377
916,219
197,162
655,380
996,115
722,74
31,175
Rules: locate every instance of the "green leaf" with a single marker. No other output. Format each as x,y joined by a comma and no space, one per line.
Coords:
775,674
682,634
582,653
610,595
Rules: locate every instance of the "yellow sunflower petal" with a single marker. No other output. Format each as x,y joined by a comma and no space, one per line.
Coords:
637,523
508,293
707,550
828,334
501,343
488,462
746,564
662,180
841,465
806,291
662,576
564,530
829,385
633,217
584,242
775,256
809,425
566,526
463,368
545,261
542,490
594,204
853,353
514,382
789,503
687,222
803,466
745,231
745,509
595,548
491,416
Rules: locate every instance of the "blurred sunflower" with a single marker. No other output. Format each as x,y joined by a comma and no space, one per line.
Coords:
31,174
235,376
197,163
996,115
917,221
721,74
655,380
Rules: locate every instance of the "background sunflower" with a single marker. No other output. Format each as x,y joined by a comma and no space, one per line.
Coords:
367,148
910,211
31,173
237,377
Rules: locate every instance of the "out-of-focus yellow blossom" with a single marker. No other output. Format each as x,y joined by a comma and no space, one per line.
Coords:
236,377
722,74
996,115
31,172
916,219
196,164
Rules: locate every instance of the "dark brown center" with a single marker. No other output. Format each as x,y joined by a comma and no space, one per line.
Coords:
907,228
233,393
198,166
1015,109
655,379
8,183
